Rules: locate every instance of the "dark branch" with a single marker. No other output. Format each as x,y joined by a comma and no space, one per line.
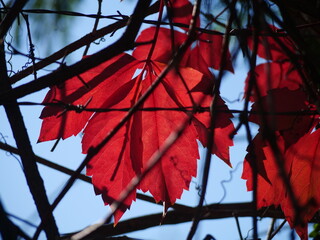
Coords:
85,40
213,211
126,42
30,168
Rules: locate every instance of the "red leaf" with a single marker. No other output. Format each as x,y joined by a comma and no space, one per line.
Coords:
303,171
298,152
304,179
113,85
289,127
142,136
222,132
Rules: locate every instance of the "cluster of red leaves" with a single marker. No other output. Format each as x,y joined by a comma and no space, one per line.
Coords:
288,138
118,84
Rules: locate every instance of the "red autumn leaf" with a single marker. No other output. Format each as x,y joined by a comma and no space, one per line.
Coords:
222,132
284,113
304,179
205,53
274,75
297,153
303,171
113,85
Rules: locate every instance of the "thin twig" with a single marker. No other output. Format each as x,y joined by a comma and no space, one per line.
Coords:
271,228
238,226
253,163
80,108
31,46
95,26
278,229
78,44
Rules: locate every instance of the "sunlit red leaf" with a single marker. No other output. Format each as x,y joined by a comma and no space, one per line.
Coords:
302,168
304,179
116,84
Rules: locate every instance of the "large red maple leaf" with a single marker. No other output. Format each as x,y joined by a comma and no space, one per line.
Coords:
127,154
117,84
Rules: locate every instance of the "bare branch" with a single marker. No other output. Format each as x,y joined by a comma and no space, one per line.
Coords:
30,168
85,40
213,211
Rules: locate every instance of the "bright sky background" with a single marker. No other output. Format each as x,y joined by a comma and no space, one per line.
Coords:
81,207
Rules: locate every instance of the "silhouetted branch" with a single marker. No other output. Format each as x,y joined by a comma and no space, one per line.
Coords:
212,211
30,168
85,40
